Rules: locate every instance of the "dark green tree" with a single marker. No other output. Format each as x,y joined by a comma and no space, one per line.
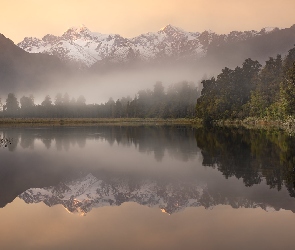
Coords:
287,98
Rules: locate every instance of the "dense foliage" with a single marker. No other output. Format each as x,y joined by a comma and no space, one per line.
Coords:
251,90
178,102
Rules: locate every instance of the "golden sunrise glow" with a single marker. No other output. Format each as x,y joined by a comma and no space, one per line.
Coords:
21,18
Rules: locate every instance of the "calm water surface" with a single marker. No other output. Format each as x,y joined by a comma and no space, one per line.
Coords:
141,187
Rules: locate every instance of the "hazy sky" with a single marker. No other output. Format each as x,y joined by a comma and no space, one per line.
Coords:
21,18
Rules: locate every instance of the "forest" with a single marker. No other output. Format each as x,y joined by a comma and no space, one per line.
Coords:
251,91
177,102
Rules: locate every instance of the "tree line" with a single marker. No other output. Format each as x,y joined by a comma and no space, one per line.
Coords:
177,102
251,91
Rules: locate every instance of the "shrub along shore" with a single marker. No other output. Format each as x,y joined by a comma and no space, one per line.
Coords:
259,123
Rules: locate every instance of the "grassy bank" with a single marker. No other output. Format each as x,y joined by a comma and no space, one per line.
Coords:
92,121
251,123
260,123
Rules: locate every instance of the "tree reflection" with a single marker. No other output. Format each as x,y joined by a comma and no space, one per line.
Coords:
26,141
177,141
252,155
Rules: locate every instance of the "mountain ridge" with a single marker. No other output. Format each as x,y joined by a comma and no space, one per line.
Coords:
21,67
84,47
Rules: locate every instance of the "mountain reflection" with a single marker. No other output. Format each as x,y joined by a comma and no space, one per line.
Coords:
81,195
174,167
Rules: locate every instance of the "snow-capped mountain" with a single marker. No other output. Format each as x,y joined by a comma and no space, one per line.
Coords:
81,195
80,45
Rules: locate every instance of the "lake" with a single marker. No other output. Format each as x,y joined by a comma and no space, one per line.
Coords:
146,187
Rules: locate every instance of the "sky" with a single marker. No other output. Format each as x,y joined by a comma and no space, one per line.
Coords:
129,18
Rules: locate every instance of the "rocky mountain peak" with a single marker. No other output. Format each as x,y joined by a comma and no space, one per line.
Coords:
173,32
268,29
50,38
82,46
76,32
170,28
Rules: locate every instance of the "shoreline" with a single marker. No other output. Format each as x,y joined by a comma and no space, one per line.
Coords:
287,125
11,122
248,123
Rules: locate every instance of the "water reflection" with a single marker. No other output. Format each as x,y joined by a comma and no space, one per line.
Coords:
81,195
251,155
62,137
177,140
168,167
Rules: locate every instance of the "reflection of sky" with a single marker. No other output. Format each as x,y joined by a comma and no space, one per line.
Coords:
32,162
93,149
132,226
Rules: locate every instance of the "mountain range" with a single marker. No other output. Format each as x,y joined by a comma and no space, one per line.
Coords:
37,64
86,48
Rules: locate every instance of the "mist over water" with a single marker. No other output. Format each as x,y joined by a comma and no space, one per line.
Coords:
98,88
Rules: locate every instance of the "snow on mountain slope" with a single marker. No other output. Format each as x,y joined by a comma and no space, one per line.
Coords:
169,41
79,45
82,46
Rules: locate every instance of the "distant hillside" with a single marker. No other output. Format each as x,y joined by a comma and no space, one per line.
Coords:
22,70
261,47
